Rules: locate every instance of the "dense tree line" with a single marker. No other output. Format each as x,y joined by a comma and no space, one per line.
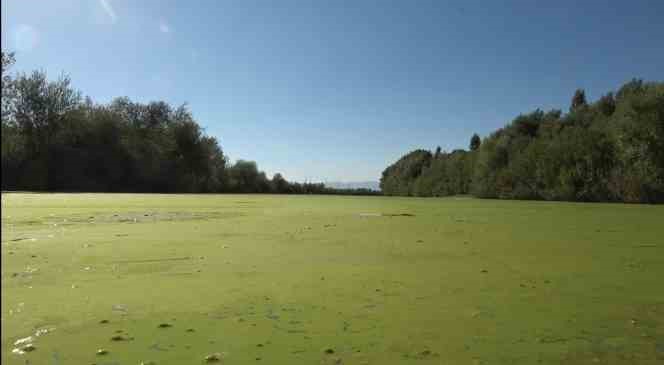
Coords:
609,150
53,139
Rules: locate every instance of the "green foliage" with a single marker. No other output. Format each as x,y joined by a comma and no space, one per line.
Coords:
607,104
54,140
7,86
578,100
611,150
279,184
399,178
475,142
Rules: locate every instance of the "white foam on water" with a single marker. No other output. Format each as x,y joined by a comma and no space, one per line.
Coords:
43,331
21,341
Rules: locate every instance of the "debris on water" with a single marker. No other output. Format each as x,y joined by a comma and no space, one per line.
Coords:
329,350
419,241
633,321
258,358
148,363
259,345
426,353
74,286
23,349
103,321
157,347
43,331
547,281
21,341
118,338
14,274
484,271
87,268
399,215
120,308
101,352
190,330
165,325
216,357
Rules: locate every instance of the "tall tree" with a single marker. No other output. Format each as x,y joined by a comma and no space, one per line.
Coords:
475,142
607,104
7,86
578,100
279,184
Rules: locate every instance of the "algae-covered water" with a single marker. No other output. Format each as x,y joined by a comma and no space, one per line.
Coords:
261,279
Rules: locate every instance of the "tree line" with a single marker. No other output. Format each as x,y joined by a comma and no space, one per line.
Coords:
54,139
610,150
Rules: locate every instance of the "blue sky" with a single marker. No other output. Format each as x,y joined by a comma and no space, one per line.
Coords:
337,90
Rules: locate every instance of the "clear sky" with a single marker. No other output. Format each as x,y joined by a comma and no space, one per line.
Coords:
337,90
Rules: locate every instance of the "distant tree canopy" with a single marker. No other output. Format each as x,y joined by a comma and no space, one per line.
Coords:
399,178
578,100
610,150
53,139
